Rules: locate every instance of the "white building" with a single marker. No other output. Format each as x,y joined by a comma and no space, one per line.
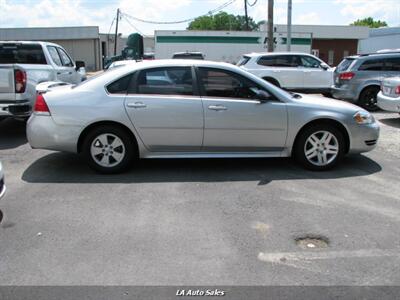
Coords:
380,39
330,43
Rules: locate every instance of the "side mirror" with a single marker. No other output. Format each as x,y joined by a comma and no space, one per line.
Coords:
79,64
263,96
324,66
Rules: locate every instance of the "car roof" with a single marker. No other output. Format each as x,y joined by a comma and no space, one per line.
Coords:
256,54
188,53
30,43
366,56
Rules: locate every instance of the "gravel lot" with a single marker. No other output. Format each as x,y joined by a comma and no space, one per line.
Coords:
199,222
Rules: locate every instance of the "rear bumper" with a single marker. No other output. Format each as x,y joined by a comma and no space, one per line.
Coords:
389,103
43,133
21,108
343,93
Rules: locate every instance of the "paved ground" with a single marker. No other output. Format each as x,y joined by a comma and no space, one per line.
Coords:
200,222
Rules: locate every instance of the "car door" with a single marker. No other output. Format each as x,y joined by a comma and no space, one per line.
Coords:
60,71
234,120
165,109
67,70
314,76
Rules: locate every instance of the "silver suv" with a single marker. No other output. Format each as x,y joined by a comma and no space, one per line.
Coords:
358,78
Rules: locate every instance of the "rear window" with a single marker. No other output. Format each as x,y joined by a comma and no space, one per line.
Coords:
22,54
244,60
188,56
344,64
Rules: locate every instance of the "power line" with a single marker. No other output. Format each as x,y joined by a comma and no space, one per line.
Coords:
111,26
181,21
133,26
254,3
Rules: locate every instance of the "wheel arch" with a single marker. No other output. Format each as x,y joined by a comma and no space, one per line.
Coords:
327,121
89,127
366,86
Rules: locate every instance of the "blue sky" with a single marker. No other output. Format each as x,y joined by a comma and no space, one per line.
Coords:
44,13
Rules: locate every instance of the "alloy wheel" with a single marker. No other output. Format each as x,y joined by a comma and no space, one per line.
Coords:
321,148
107,150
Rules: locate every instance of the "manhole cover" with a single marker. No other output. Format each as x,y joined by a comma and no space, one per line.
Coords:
312,242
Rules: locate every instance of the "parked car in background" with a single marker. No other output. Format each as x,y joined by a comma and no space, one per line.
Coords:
358,78
188,55
290,70
148,56
23,65
200,109
389,96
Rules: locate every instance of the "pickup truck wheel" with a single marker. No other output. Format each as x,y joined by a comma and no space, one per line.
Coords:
368,98
108,149
319,147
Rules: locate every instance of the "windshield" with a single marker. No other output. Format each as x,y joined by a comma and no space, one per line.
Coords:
243,61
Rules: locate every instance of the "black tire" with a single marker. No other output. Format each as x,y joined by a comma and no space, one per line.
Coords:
300,146
272,81
368,98
129,147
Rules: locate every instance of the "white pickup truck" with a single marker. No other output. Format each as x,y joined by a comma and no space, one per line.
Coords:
23,65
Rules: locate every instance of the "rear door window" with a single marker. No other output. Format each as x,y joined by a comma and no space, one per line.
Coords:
119,86
309,62
22,54
288,61
166,81
372,65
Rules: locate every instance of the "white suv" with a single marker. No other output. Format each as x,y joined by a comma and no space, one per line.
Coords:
291,71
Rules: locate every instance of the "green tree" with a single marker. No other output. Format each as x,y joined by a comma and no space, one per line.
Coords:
222,21
369,22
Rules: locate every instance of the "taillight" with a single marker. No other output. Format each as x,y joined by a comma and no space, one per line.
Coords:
346,76
41,106
20,81
397,90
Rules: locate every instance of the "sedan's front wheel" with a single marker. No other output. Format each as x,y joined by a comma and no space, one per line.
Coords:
320,147
108,149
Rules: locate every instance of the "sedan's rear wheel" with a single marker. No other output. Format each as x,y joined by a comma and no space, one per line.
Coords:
320,147
108,149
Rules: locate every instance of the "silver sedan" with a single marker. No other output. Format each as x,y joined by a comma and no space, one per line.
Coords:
194,109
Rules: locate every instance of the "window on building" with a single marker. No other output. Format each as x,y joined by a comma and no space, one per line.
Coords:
331,57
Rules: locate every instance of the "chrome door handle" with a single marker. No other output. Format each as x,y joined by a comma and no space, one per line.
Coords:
137,105
217,107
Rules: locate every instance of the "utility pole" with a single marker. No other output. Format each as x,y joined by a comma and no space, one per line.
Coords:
116,34
289,26
270,25
247,17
